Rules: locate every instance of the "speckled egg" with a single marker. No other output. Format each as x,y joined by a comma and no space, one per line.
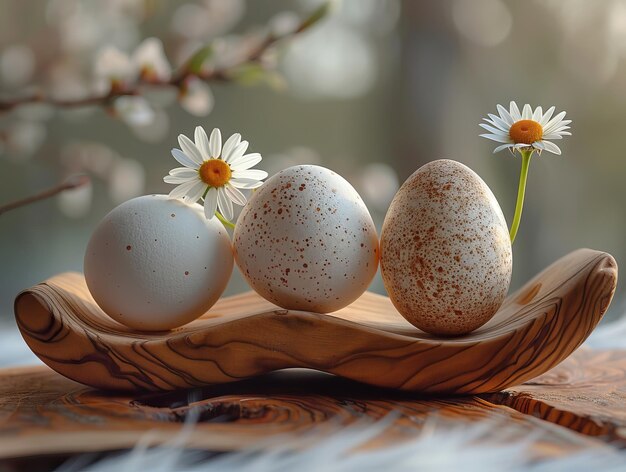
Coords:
154,263
445,250
306,241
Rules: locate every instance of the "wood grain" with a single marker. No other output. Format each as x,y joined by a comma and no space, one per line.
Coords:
43,413
368,341
586,393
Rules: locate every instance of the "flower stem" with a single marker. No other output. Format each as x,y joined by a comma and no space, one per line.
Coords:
526,155
224,221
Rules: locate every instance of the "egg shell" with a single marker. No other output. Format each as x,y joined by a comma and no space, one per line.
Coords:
446,257
306,241
155,263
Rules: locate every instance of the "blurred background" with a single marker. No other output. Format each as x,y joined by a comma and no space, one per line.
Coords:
373,90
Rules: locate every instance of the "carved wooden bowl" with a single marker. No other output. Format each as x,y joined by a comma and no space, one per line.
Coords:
242,336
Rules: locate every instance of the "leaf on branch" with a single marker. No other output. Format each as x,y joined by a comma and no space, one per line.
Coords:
255,74
319,13
197,60
248,74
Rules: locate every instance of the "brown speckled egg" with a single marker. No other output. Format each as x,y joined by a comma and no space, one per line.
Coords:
306,241
445,250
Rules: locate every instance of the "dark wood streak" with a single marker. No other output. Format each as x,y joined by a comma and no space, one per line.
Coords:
245,336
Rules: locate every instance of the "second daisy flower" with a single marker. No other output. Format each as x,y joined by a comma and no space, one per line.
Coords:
214,172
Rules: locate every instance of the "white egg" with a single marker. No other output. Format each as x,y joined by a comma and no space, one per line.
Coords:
306,241
445,250
154,263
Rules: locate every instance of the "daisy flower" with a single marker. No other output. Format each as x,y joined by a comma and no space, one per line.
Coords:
214,172
525,132
531,130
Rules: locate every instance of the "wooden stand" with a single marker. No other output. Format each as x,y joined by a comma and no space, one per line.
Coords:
245,336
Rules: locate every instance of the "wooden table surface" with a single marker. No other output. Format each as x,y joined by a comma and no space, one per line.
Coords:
44,413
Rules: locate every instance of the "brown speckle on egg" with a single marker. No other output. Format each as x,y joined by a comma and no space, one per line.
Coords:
300,235
446,255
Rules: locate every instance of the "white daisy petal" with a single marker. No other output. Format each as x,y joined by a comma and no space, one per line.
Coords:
247,161
557,126
202,142
236,153
554,121
514,112
552,136
182,189
496,137
502,146
184,172
224,204
183,158
499,122
551,147
539,145
190,149
493,130
552,128
492,123
546,116
250,174
230,144
245,183
175,179
210,203
215,143
195,192
527,112
505,115
235,195
537,114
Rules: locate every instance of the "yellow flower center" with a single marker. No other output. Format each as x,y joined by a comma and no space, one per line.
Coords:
526,132
215,172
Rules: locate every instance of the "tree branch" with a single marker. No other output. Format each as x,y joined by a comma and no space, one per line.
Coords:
178,80
73,182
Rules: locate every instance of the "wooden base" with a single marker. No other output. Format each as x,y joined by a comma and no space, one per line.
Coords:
245,336
43,413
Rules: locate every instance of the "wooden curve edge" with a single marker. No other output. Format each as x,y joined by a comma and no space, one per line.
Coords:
244,336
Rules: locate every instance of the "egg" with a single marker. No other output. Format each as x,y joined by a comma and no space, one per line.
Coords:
154,263
445,250
306,241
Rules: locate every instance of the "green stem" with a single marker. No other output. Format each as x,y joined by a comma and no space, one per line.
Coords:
224,221
526,155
